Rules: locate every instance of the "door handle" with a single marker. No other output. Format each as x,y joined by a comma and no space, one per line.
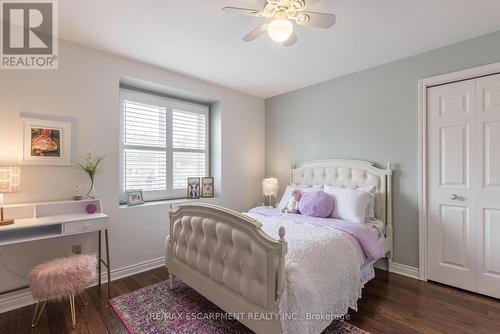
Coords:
454,197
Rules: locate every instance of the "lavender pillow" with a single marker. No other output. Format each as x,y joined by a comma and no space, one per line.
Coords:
316,204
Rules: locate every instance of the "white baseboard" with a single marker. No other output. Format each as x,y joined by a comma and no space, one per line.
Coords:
23,298
398,268
15,300
133,269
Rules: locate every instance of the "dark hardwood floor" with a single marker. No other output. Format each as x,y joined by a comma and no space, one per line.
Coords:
391,304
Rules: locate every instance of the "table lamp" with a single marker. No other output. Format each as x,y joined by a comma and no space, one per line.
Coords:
10,179
270,189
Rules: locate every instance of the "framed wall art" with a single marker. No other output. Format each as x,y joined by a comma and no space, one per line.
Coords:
45,142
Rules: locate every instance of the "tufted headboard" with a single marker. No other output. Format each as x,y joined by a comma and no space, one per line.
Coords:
352,174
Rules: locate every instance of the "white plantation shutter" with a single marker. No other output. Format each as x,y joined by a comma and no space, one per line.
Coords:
145,146
189,130
145,125
146,170
189,142
164,142
187,164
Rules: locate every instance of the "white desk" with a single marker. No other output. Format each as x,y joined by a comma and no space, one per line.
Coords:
37,221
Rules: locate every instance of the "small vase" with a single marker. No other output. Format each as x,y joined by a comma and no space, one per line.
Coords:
92,192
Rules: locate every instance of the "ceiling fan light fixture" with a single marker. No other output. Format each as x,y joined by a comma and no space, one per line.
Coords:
280,30
282,14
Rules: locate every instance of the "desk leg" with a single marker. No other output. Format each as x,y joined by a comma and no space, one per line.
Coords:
108,266
100,260
104,263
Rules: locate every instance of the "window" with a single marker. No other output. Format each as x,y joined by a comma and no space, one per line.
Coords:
164,141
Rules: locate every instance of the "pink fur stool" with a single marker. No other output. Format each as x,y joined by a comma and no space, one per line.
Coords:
61,278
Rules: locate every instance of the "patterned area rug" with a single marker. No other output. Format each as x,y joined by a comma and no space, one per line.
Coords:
156,309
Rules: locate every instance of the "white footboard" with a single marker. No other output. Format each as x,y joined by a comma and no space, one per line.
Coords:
227,258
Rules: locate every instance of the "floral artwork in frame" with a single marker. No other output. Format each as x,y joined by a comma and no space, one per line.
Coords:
45,142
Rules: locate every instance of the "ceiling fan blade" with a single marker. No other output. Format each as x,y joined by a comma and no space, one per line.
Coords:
241,11
255,33
291,40
311,2
318,20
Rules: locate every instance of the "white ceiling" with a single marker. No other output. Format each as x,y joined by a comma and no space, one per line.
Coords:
196,38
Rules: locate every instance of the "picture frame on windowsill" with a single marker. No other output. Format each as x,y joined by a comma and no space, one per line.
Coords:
207,187
193,188
134,197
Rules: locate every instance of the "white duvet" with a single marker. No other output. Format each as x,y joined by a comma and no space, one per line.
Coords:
323,275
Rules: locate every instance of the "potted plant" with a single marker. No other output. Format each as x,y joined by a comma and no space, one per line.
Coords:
91,166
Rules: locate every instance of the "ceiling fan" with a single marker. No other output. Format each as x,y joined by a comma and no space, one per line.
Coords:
282,13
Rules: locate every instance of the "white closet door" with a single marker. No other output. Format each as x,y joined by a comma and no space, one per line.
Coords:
488,189
452,149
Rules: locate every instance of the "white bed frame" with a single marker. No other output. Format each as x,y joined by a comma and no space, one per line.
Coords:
227,258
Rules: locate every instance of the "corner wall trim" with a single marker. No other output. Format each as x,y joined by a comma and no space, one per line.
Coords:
23,298
398,268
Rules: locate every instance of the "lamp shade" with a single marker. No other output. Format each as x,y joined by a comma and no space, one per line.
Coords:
270,187
10,179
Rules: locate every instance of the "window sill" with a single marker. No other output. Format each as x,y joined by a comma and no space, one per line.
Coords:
175,201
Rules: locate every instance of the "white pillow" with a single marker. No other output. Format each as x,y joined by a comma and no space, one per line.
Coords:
349,204
287,195
370,210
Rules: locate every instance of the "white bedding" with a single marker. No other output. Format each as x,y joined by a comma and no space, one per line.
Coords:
325,273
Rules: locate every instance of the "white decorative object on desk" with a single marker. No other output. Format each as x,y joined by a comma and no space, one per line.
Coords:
77,192
10,181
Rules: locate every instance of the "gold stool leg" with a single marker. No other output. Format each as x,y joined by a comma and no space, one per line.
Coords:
38,313
83,298
72,310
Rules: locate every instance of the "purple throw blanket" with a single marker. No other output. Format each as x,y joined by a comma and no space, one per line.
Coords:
362,233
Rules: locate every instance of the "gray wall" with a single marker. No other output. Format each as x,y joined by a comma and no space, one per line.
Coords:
369,115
